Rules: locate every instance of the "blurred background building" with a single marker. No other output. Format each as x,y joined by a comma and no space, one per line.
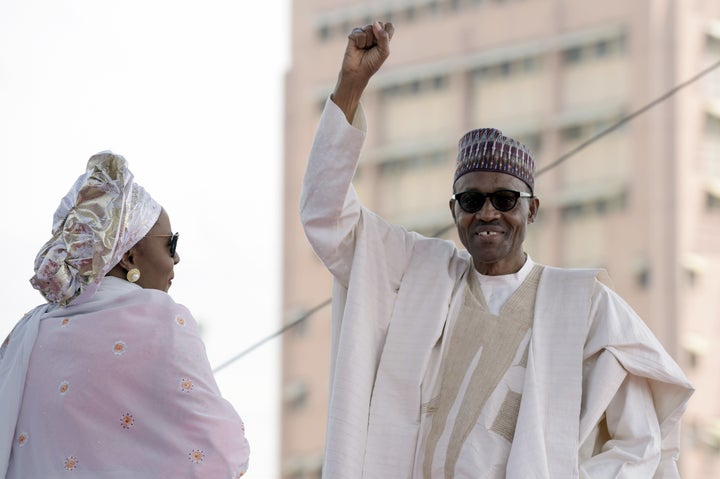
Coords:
642,201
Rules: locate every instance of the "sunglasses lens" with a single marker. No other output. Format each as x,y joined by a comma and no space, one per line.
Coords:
503,200
173,244
471,201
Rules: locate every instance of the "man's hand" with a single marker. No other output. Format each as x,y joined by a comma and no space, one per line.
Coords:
368,47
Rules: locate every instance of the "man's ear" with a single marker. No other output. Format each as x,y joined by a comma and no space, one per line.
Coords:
533,209
452,210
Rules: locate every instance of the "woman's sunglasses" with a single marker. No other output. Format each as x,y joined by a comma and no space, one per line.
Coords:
172,245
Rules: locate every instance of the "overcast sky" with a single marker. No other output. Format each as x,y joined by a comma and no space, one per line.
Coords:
191,94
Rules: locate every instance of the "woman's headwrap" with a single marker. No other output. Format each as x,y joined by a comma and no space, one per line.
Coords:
104,215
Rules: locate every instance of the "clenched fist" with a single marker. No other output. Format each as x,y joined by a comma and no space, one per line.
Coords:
367,49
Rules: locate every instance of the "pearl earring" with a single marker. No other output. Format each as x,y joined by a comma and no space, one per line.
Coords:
133,275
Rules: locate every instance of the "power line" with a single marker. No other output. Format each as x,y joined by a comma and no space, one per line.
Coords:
627,118
539,172
274,335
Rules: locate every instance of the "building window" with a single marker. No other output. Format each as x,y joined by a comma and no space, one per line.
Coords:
571,133
421,161
573,211
417,86
642,276
503,70
572,55
594,207
712,201
577,131
410,11
711,146
712,44
296,395
532,140
599,49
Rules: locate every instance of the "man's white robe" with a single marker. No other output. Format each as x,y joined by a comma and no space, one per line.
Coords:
391,294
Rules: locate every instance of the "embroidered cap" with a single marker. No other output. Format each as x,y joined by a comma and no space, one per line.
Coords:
487,149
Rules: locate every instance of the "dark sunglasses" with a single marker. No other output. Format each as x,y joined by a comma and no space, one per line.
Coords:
502,200
173,242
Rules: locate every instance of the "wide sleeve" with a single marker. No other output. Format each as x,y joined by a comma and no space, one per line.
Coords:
335,222
631,448
633,396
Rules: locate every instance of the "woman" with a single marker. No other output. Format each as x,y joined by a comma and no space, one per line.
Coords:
110,378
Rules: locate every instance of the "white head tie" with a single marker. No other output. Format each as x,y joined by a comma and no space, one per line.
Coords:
104,215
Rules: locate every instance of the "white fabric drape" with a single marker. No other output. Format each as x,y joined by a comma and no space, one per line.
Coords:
119,386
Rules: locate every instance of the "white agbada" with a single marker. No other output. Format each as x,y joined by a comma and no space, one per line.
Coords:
393,293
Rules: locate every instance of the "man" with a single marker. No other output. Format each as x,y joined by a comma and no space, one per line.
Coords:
475,363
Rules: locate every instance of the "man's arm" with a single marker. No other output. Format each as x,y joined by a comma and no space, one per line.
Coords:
633,449
641,411
367,49
331,214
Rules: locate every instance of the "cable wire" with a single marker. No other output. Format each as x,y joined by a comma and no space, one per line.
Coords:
626,119
274,335
539,172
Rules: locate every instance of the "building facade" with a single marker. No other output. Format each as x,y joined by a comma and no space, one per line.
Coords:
642,201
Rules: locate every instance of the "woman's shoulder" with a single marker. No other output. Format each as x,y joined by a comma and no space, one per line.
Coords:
156,299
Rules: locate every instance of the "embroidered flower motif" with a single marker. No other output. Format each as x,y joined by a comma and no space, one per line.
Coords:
180,320
127,420
119,348
64,387
196,456
71,463
22,439
186,385
64,322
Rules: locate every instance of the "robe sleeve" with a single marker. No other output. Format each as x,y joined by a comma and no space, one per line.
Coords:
633,395
330,211
633,447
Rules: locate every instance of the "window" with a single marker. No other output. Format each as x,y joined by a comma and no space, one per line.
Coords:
499,71
572,55
572,132
642,274
601,48
417,86
296,394
711,145
532,140
593,207
712,202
